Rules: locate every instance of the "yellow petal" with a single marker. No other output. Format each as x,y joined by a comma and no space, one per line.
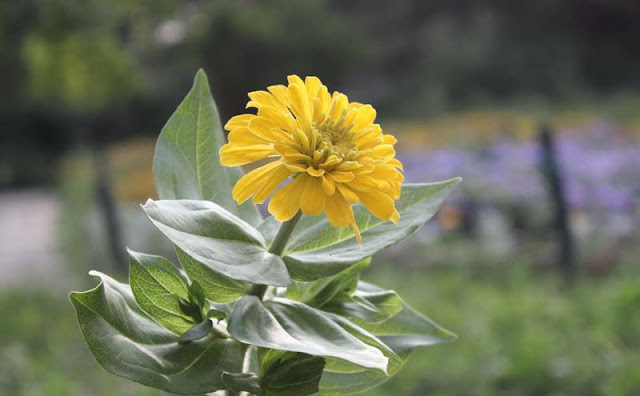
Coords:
313,85
281,119
385,151
285,203
252,181
321,105
337,209
241,120
363,183
395,162
313,197
328,185
297,158
268,130
341,177
287,149
300,103
296,168
264,98
384,172
332,161
315,172
338,106
348,194
369,142
340,214
378,203
271,181
242,136
302,139
280,92
294,79
395,217
347,166
240,155
389,139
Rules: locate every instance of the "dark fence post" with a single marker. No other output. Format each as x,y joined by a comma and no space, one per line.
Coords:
554,178
109,210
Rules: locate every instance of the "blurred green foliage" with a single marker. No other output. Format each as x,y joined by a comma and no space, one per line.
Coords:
41,354
522,335
82,71
76,72
517,336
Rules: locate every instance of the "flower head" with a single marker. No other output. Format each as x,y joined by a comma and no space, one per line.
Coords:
334,151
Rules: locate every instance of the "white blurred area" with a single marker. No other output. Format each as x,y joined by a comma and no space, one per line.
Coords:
29,237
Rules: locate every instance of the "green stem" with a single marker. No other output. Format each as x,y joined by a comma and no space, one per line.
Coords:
277,247
282,237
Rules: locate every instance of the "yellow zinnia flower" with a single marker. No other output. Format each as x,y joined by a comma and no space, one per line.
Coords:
334,151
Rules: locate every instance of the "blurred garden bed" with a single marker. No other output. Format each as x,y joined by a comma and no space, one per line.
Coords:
519,335
484,268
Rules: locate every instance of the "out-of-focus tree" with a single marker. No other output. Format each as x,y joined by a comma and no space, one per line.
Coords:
124,60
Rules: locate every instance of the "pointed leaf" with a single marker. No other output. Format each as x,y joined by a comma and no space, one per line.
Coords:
196,294
238,382
403,332
197,332
292,374
343,378
187,165
318,249
407,330
292,326
372,307
217,287
190,309
128,343
216,314
157,287
321,291
216,238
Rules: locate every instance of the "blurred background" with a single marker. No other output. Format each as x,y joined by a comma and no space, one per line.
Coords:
536,104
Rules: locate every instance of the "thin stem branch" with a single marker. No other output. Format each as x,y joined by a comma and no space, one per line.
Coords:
277,247
283,235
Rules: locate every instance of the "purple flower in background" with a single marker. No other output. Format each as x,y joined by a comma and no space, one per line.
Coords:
599,166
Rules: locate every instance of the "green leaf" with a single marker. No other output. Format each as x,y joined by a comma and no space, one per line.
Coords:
292,374
216,238
157,287
292,326
196,294
372,307
197,332
402,332
190,309
319,292
407,330
318,249
187,165
216,314
343,378
238,382
217,287
128,343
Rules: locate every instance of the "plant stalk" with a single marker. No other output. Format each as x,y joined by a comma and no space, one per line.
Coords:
277,247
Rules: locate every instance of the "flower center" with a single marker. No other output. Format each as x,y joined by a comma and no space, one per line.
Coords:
335,140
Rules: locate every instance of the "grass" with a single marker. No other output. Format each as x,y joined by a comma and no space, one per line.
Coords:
43,353
520,334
